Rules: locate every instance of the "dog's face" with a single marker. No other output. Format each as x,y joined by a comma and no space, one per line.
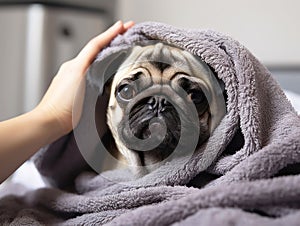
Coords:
149,98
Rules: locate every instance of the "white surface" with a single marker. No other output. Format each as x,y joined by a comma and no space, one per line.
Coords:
28,175
24,179
294,98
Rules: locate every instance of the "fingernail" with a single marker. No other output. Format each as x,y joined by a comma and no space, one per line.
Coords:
117,24
129,22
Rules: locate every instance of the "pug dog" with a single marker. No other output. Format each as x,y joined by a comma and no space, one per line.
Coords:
152,97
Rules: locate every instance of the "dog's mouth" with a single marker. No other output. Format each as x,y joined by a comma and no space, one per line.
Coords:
148,118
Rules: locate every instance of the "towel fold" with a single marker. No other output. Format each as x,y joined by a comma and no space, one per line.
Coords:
246,173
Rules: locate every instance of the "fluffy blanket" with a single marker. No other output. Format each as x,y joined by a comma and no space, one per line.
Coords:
246,174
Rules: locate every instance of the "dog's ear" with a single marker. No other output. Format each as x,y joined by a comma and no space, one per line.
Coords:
107,86
100,76
102,72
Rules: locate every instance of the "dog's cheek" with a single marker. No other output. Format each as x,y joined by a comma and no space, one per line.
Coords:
114,116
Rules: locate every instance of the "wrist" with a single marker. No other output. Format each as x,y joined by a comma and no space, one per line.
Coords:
49,125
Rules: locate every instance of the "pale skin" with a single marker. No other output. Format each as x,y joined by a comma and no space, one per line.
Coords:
53,117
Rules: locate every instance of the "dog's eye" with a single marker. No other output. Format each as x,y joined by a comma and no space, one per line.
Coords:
126,92
197,96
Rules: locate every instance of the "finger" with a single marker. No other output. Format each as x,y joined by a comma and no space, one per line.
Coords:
89,52
128,25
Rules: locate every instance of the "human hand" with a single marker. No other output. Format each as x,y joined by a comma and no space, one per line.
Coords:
69,83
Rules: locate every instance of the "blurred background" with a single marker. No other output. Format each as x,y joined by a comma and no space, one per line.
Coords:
37,36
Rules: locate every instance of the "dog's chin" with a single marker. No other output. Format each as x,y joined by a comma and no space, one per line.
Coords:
163,150
166,150
167,140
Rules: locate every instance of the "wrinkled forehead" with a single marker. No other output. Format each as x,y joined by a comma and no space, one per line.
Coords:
160,53
180,59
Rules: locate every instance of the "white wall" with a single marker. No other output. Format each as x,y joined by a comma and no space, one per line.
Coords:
269,28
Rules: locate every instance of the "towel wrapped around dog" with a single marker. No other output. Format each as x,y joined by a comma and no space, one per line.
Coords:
246,172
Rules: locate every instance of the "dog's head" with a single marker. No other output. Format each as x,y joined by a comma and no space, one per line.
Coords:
152,98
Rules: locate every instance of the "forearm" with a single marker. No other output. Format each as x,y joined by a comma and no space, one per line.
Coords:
23,136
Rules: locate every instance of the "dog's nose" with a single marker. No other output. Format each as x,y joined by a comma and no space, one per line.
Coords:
158,103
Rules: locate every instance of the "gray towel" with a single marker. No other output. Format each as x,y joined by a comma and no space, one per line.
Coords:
246,174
